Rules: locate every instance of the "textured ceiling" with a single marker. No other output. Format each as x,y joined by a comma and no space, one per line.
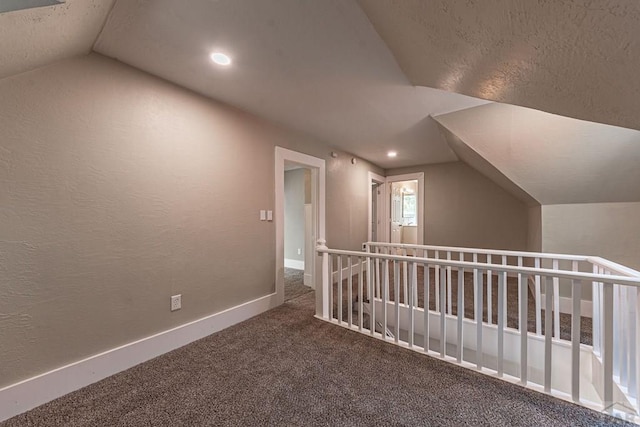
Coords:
576,58
36,37
320,67
556,160
315,66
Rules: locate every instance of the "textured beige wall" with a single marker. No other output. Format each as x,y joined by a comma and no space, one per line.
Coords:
114,195
294,200
534,234
464,208
609,230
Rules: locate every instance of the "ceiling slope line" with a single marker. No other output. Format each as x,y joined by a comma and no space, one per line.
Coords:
104,25
476,161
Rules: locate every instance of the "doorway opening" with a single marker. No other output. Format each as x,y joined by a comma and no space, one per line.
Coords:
298,224
396,209
300,221
377,226
404,212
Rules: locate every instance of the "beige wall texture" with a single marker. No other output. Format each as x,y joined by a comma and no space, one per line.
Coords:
464,208
534,234
294,199
115,194
608,230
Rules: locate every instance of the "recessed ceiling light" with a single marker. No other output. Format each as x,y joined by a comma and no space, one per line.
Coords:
392,154
220,58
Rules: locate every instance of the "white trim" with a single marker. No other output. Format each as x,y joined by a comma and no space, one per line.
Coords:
294,263
419,176
566,306
30,393
307,280
374,177
318,190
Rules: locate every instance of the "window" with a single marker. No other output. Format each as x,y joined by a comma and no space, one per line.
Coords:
408,206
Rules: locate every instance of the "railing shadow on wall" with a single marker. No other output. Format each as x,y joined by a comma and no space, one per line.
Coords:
486,310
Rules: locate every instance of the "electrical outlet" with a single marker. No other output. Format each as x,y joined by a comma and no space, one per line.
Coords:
176,302
299,251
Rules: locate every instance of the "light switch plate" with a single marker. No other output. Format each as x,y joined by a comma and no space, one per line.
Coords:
269,215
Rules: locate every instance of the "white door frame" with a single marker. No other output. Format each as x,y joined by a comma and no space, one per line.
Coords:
382,228
419,176
318,192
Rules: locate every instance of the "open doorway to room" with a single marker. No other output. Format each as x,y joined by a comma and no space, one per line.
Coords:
298,224
377,226
396,209
404,212
300,221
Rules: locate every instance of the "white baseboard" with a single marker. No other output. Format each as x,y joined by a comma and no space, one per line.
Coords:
307,280
566,306
345,271
566,303
294,263
30,393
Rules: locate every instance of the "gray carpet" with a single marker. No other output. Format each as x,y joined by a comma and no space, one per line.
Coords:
285,367
294,284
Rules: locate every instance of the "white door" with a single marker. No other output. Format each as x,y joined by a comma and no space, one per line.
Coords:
405,208
396,213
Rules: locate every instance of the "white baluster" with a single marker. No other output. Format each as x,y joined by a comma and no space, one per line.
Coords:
519,291
412,284
372,300
477,287
460,313
548,295
350,295
360,292
538,300
506,288
576,296
396,297
449,286
404,278
443,318
385,297
427,333
436,280
340,288
607,344
502,280
597,309
622,331
326,282
524,339
556,302
489,292
378,293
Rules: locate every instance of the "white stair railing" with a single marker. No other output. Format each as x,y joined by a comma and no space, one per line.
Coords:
398,281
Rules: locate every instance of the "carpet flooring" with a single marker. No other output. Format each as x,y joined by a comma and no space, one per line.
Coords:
284,367
294,284
511,306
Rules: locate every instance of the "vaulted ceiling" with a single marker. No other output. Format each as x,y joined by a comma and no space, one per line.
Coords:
315,66
371,76
576,58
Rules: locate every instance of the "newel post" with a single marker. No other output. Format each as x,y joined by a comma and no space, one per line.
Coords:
322,298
